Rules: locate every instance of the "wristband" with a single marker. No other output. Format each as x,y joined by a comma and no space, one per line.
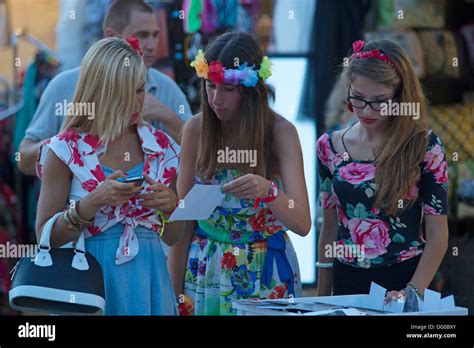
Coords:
324,264
164,221
273,193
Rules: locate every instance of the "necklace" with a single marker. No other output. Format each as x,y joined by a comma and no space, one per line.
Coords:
372,149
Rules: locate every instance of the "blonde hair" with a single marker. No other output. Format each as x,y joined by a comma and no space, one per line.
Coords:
405,140
111,73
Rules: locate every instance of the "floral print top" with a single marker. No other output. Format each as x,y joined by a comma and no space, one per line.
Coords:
80,150
368,238
247,224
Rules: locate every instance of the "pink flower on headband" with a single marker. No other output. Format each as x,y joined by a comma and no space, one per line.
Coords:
216,72
135,43
358,45
377,54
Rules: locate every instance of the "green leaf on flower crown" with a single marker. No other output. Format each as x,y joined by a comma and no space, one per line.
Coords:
392,221
398,238
415,243
368,192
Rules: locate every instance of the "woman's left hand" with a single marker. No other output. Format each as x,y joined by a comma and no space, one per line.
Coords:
158,196
249,186
395,295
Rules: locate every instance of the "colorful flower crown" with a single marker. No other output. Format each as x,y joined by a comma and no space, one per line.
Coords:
244,74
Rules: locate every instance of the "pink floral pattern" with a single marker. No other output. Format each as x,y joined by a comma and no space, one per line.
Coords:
372,234
79,150
355,173
349,187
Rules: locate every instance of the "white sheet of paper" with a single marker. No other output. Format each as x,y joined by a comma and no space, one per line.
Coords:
431,301
447,303
376,297
199,203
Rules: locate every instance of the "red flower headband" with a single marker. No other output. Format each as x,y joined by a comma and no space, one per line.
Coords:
377,54
135,44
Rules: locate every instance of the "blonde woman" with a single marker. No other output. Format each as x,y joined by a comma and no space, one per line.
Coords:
82,172
378,178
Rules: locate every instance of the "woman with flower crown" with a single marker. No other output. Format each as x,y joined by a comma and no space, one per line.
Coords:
242,250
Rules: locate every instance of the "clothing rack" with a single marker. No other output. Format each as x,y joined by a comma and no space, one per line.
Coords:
14,100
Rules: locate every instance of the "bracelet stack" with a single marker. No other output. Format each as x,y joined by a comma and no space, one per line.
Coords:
73,221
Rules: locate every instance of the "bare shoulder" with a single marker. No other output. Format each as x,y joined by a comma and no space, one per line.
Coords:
284,130
336,139
192,127
55,166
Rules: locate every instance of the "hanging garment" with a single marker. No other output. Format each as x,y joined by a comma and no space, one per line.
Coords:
209,17
163,50
24,117
192,18
226,13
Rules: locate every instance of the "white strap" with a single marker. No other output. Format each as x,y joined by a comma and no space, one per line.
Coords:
43,257
46,233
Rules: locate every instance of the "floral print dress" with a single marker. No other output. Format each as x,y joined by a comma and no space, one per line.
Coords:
348,186
239,252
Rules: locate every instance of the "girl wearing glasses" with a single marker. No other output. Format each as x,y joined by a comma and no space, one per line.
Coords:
378,178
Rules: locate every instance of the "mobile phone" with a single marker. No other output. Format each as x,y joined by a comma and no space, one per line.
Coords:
136,179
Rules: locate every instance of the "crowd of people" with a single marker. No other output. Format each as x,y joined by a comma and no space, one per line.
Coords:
377,177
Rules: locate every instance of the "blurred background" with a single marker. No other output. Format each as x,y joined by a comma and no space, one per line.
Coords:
307,41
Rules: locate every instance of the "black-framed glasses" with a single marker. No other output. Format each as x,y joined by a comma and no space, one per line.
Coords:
360,103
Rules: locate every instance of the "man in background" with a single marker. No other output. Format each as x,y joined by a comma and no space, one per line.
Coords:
165,104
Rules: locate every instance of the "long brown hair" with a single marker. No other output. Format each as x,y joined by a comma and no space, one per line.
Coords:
257,118
404,141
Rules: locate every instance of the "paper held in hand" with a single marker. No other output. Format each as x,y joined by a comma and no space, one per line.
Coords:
199,203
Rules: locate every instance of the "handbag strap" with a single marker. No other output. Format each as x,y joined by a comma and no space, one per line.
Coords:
43,257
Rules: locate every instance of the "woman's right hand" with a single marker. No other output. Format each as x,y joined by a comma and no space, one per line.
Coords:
112,192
